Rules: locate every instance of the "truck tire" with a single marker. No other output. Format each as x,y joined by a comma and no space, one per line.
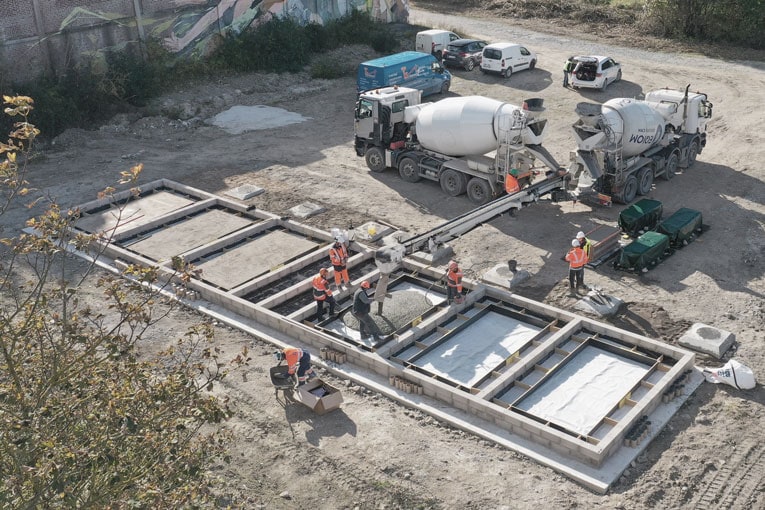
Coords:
628,192
645,180
478,191
469,65
670,167
409,170
532,65
618,75
507,73
453,182
693,151
375,159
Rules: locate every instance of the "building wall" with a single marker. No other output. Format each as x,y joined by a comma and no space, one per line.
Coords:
48,36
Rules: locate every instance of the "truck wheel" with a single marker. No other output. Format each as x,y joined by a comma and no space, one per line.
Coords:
507,73
375,159
670,167
629,190
693,151
408,169
478,191
618,75
469,65
532,65
453,182
645,180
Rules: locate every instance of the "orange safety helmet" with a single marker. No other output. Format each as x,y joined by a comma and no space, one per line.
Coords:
323,271
365,284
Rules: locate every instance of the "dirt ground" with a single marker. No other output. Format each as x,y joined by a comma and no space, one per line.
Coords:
374,453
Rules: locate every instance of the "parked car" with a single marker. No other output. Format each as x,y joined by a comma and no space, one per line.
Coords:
464,53
506,58
434,41
595,72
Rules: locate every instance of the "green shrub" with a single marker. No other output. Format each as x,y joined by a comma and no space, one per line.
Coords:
330,69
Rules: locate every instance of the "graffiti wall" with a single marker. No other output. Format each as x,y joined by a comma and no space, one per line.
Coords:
39,36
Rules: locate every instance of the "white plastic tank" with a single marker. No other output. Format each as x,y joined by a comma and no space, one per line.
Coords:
633,123
461,126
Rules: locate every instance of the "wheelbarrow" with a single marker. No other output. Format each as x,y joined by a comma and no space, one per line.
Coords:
282,380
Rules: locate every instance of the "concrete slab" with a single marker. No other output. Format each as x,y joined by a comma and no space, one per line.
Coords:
501,276
244,192
442,254
244,262
371,232
188,234
137,212
707,339
599,303
306,210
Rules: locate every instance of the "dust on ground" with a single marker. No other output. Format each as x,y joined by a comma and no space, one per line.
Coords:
373,453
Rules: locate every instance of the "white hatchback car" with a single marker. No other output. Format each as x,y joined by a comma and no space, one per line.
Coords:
595,72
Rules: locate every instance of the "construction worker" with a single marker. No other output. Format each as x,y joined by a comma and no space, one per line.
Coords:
361,306
338,256
511,182
322,294
584,243
576,258
453,283
568,67
298,363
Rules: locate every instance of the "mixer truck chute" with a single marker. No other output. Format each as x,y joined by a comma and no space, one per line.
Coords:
448,141
624,143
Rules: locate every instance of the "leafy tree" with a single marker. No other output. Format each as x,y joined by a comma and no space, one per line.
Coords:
86,420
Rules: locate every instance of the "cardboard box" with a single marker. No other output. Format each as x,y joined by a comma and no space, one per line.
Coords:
319,396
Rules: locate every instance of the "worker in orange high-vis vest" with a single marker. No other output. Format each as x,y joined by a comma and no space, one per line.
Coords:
298,363
338,256
322,294
453,282
576,258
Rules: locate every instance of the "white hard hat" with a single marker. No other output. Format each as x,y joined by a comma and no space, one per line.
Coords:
575,243
579,234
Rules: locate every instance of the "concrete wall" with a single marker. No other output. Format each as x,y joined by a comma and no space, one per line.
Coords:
48,36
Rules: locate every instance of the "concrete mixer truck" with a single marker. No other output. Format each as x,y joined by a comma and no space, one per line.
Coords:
624,144
448,141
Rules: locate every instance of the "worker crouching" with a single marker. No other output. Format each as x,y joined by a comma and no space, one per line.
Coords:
298,363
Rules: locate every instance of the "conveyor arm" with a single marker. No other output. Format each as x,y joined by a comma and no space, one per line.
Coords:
468,221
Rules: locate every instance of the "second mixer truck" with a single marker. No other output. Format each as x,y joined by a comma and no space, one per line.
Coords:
623,144
448,141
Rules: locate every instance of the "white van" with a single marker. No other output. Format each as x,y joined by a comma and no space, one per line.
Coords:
434,41
506,58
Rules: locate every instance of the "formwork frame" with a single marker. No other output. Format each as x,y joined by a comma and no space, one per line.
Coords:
501,421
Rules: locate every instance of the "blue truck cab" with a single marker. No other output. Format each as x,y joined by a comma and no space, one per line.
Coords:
411,69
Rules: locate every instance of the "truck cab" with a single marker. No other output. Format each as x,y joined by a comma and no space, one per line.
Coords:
379,122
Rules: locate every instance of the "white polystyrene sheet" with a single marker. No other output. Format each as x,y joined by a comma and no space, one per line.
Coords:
473,352
584,390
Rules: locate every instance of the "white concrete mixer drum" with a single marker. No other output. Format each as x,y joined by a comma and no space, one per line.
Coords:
461,126
633,123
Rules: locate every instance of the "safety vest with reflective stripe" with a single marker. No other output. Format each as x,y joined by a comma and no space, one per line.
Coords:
454,279
320,288
511,184
338,256
576,258
587,246
292,356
